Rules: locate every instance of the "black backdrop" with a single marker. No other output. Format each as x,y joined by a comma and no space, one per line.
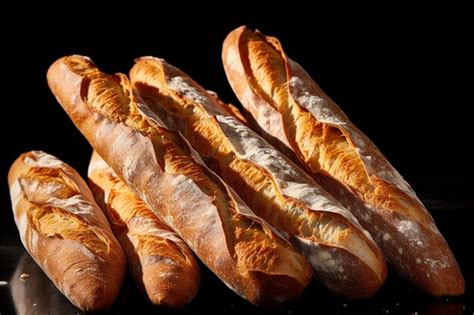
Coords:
402,75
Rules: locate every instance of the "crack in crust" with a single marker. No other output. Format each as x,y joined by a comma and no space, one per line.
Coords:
41,186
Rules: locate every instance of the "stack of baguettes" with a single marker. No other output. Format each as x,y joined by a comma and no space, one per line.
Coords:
176,171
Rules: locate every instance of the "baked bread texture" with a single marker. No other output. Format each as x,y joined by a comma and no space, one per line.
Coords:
298,116
65,231
165,172
161,263
343,255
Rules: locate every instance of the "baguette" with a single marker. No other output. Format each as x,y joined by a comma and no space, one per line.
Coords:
161,264
291,107
64,230
344,258
164,171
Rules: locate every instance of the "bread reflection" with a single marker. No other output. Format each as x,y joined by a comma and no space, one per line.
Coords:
34,293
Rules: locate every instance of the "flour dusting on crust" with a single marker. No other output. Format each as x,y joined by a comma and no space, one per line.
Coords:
314,104
290,180
374,162
75,204
42,159
241,207
326,262
185,86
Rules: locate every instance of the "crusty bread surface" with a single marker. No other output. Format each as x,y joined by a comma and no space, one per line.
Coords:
161,263
65,231
298,116
165,172
343,255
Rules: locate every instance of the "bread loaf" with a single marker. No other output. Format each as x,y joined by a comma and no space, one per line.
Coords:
298,116
164,171
64,230
344,258
161,264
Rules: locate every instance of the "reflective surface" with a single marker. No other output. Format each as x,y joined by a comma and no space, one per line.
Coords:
34,293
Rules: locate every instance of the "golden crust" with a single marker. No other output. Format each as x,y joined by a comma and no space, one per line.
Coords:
64,230
161,264
273,88
157,164
185,106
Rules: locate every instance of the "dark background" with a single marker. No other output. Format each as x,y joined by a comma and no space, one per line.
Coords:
403,75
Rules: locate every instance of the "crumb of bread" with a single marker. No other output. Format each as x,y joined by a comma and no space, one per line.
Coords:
24,276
